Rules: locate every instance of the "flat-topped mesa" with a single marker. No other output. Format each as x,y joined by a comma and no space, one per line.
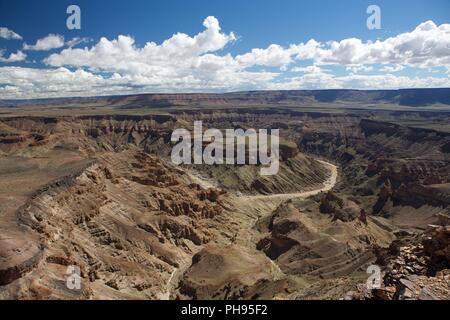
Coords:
404,97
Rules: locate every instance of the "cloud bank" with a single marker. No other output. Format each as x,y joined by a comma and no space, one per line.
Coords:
186,63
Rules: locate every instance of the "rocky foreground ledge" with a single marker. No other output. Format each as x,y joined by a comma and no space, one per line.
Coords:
418,271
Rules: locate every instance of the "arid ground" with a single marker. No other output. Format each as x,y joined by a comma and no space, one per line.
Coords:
364,180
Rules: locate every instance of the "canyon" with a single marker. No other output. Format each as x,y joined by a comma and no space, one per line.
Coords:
94,186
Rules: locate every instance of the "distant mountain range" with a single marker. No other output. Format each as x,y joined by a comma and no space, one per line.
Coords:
403,97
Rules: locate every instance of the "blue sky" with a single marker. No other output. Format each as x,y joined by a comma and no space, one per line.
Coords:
228,61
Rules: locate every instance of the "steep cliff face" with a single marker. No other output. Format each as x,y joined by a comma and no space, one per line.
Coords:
388,165
102,195
407,97
125,228
401,174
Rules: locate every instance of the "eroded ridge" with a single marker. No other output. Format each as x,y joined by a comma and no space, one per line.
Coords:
100,192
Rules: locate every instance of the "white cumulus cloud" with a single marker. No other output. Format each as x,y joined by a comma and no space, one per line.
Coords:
8,34
427,45
52,41
194,63
13,57
274,55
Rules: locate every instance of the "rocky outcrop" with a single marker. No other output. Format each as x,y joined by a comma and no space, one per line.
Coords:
301,246
18,265
288,150
411,287
418,270
341,209
224,274
436,246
